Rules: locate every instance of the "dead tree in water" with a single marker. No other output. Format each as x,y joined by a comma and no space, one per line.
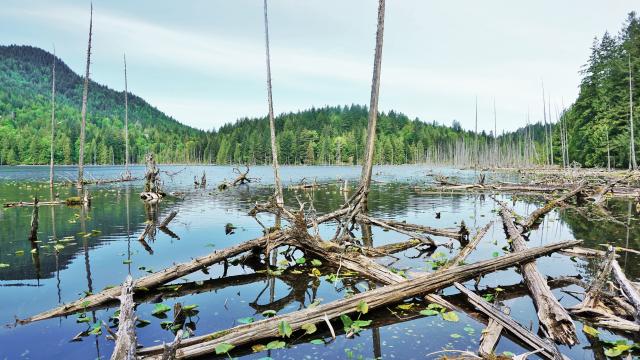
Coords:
126,341
632,147
272,123
83,113
53,116
152,188
127,173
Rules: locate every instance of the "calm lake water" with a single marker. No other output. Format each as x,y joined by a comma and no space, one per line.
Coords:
98,246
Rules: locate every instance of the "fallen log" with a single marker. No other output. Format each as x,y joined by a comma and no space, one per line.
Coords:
593,296
489,338
554,319
268,328
450,233
466,251
540,212
155,279
126,342
627,288
546,349
600,197
425,239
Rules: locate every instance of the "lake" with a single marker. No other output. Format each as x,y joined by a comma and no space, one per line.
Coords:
81,250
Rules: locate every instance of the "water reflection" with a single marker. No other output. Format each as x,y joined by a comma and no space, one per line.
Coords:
99,250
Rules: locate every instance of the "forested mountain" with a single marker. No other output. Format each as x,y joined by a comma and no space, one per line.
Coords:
601,113
329,135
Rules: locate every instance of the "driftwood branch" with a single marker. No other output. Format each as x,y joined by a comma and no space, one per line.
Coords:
554,319
245,334
126,341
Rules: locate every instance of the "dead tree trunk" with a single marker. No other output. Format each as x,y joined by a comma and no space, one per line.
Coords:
127,173
632,147
53,117
83,113
126,341
554,319
367,163
627,289
33,234
272,124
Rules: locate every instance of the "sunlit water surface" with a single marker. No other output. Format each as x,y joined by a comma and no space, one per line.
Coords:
80,250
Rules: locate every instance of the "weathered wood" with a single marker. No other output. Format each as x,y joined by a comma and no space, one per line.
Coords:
606,320
425,239
627,288
489,338
169,352
164,223
592,298
450,233
548,350
83,111
53,118
554,319
466,251
389,294
600,197
533,218
126,341
33,233
155,279
392,248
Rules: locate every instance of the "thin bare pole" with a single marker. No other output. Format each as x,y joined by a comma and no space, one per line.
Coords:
367,164
632,160
495,134
85,95
127,174
272,124
550,130
53,116
476,137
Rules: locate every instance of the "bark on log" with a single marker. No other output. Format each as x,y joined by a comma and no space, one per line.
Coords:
554,319
450,233
33,233
466,251
489,339
155,279
627,289
126,343
592,298
540,212
389,294
385,225
169,352
168,219
548,350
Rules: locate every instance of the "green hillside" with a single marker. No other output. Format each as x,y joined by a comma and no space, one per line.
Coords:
329,135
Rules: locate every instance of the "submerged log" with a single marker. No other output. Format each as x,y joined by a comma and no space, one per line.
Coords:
155,279
385,225
546,349
164,223
245,334
554,319
126,341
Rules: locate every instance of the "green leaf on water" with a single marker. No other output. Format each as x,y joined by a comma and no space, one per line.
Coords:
127,261
276,344
590,331
309,328
317,342
316,262
363,307
96,329
223,348
142,323
19,252
455,336
3,265
284,329
361,323
450,316
301,261
346,321
495,254
405,306
245,320
83,319
189,307
613,352
269,313
428,312
58,247
160,309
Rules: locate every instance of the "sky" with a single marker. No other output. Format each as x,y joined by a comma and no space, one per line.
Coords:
203,61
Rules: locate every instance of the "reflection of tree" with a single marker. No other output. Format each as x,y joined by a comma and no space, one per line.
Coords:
595,233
